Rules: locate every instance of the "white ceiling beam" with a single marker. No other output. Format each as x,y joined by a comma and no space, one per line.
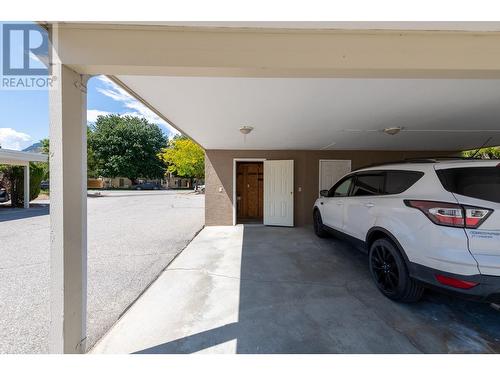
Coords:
257,52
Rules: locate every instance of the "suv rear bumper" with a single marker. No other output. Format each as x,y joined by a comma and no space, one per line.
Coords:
488,289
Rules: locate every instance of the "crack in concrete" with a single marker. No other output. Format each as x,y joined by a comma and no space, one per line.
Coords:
331,285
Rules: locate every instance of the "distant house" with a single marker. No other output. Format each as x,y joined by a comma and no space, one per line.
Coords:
169,182
175,182
119,182
116,183
109,183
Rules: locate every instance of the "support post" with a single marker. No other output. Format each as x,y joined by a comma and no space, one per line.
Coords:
68,210
27,186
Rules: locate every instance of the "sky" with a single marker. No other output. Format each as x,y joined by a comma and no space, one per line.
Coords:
24,114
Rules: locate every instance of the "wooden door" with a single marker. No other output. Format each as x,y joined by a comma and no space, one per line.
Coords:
249,191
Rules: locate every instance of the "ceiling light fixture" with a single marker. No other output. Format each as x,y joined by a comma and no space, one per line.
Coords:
393,131
246,129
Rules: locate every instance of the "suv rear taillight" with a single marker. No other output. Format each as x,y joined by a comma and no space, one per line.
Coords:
451,214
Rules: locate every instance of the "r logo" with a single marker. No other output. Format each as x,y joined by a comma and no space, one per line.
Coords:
33,41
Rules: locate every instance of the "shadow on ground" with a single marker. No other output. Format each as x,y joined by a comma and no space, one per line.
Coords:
8,213
302,294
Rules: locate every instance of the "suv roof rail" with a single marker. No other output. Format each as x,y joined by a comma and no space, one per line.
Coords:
418,160
393,162
436,159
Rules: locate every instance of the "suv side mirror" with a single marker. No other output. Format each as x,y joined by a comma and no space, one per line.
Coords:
323,193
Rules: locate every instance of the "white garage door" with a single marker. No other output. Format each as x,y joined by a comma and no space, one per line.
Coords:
330,171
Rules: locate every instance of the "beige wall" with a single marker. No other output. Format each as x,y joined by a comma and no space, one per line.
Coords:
219,174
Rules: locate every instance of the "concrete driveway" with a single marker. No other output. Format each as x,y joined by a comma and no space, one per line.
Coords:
257,289
132,236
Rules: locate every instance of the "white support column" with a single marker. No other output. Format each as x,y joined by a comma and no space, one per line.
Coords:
68,211
27,186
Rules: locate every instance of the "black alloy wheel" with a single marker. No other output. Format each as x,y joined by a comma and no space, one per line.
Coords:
385,269
390,274
319,229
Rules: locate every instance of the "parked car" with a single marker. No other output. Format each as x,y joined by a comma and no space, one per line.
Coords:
427,223
200,188
45,185
4,196
147,186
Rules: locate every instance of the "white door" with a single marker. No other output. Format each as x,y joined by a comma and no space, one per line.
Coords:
278,192
330,171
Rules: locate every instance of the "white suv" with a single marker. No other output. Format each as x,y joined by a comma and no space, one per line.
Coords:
424,223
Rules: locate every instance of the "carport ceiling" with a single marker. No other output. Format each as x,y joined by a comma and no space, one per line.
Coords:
334,113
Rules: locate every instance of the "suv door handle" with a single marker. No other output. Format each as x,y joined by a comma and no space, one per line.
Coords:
340,203
369,205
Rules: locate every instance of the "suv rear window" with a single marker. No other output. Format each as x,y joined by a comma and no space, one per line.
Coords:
476,182
384,182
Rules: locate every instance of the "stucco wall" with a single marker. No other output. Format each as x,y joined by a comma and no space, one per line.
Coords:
219,177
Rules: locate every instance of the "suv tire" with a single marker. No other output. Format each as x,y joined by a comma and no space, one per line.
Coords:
390,274
319,228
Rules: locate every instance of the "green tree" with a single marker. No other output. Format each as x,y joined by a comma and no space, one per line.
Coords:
126,146
92,171
45,144
483,153
91,161
45,150
184,158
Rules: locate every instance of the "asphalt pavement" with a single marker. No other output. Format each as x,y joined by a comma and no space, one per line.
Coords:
132,236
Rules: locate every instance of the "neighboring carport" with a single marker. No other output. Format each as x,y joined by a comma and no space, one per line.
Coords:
21,158
220,64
